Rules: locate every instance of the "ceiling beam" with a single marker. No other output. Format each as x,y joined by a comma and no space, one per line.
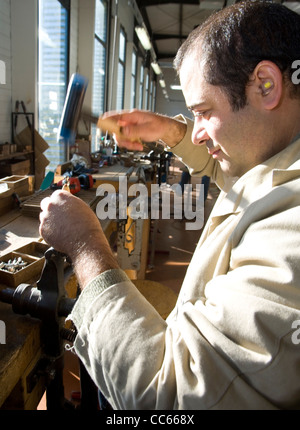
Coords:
159,36
145,3
161,55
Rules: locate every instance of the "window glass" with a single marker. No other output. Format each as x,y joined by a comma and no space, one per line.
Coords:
141,96
147,91
53,27
101,20
121,71
99,70
133,80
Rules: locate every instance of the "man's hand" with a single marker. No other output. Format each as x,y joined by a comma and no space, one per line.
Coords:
71,227
136,126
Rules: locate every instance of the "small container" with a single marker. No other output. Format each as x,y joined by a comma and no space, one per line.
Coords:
34,249
26,274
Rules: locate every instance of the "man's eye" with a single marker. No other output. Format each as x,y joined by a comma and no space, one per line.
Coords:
199,114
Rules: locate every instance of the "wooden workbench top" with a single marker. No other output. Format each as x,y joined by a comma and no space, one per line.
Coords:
17,230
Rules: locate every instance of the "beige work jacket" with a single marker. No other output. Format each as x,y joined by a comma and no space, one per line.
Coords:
233,339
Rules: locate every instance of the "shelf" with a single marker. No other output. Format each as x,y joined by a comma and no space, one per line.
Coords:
14,155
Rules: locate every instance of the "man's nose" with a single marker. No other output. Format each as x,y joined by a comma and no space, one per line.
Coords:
199,134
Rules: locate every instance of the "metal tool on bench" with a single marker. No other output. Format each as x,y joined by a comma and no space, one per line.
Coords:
74,183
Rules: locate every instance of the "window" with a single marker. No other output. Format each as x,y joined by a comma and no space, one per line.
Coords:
141,99
151,95
147,91
154,96
100,57
121,71
100,64
53,74
133,79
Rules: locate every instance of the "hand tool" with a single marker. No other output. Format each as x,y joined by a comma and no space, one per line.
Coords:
68,184
71,112
74,184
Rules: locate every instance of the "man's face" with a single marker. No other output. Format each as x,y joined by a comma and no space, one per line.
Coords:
237,140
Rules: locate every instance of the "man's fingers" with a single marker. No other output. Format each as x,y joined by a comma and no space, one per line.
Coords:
45,203
109,124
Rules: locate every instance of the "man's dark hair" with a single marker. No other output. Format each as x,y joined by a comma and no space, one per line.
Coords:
234,40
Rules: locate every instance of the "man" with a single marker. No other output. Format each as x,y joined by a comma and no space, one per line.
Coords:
232,340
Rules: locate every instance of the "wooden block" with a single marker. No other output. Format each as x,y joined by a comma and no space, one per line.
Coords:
19,184
5,149
22,346
62,168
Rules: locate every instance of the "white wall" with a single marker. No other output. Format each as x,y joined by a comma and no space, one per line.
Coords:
5,55
86,19
24,43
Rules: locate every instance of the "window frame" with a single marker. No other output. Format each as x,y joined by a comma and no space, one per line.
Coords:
105,45
134,78
141,85
122,64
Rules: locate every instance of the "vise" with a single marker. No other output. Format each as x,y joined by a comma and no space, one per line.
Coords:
48,302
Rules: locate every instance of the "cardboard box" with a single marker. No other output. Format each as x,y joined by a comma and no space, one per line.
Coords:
33,268
41,162
24,139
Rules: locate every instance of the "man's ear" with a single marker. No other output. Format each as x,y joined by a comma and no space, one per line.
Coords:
267,84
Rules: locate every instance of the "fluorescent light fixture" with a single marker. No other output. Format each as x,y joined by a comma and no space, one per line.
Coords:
165,94
175,87
162,83
143,36
156,68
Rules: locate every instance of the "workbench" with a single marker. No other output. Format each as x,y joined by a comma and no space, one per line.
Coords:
22,349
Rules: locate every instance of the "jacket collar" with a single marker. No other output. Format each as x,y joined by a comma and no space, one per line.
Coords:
257,182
